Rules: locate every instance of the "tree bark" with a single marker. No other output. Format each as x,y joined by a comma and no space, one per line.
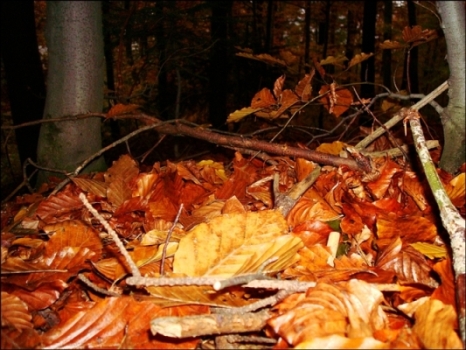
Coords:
219,62
307,37
75,85
410,80
368,46
387,35
453,118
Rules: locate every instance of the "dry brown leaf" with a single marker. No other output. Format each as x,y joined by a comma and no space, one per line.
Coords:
348,309
287,99
336,61
410,229
15,313
232,243
278,87
359,58
311,206
263,99
435,325
125,167
338,101
304,88
198,295
331,148
339,342
95,187
118,191
409,265
392,45
120,109
59,207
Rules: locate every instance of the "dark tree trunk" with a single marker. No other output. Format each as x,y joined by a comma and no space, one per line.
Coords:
108,53
307,37
387,35
368,46
269,27
163,99
410,75
219,62
23,71
75,84
324,28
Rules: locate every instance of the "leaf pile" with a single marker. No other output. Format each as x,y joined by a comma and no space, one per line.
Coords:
388,285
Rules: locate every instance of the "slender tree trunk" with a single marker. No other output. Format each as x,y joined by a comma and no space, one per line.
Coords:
163,99
307,37
108,53
23,72
410,80
387,35
75,85
219,62
453,118
368,46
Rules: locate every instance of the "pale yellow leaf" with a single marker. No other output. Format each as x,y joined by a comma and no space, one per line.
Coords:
95,187
430,250
359,58
336,61
200,295
224,245
331,148
239,114
435,325
392,45
15,313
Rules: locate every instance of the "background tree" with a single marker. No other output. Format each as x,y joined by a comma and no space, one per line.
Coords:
75,86
23,72
453,118
368,46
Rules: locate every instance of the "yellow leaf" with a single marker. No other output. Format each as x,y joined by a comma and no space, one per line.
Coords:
235,243
430,250
392,45
359,58
336,61
239,114
331,148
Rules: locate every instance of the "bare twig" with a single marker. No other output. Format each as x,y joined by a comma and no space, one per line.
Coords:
113,234
195,326
169,234
451,219
88,283
400,116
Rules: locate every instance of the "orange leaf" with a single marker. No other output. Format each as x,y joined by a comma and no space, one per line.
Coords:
120,109
304,88
287,99
359,58
278,86
337,101
263,99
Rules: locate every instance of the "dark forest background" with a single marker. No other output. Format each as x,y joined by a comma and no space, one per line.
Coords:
194,60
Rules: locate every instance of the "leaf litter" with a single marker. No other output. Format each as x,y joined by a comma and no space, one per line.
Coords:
387,284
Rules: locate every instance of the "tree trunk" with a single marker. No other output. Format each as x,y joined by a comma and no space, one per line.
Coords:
368,46
75,85
410,80
269,27
219,62
23,72
307,37
387,35
453,118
